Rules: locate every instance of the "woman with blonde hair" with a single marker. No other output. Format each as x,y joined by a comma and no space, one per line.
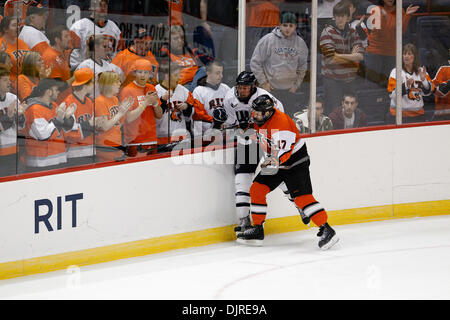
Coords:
32,71
109,118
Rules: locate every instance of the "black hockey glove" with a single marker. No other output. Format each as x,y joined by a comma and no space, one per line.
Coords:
219,117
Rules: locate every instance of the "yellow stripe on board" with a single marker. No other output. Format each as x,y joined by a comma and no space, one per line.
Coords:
210,236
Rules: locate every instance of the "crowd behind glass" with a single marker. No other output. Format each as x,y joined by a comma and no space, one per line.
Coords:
97,80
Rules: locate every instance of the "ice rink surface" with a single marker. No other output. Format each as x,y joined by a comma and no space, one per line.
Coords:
395,259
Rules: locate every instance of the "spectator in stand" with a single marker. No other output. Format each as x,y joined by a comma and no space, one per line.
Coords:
210,95
6,62
342,50
56,56
12,7
80,142
15,47
45,124
96,24
415,84
98,59
219,21
358,24
303,119
279,62
178,104
181,54
442,84
33,70
139,49
261,18
380,53
109,118
33,32
140,127
11,119
348,115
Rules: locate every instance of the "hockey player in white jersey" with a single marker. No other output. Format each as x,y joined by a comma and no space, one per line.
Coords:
97,24
211,95
238,104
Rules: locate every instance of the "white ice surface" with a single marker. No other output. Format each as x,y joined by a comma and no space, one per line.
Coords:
396,259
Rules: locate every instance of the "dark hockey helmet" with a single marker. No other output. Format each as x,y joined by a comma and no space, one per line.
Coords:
245,78
263,103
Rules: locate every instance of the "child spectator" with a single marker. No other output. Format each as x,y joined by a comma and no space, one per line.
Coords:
279,62
140,127
415,84
348,115
342,49
109,118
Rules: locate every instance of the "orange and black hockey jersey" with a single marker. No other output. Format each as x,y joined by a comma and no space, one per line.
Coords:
442,98
280,137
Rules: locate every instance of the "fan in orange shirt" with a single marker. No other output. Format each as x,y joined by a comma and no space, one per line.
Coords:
140,127
32,71
56,56
139,49
80,142
181,54
109,118
19,8
16,48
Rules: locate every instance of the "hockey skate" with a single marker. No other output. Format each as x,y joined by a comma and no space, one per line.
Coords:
327,236
252,236
244,224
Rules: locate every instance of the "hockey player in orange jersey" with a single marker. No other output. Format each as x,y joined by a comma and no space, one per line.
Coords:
287,162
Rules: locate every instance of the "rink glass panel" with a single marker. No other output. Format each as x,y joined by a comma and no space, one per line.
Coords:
431,19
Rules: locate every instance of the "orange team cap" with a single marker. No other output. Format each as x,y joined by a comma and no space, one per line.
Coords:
82,76
142,64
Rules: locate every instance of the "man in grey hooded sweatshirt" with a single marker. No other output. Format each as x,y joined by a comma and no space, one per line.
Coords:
279,62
